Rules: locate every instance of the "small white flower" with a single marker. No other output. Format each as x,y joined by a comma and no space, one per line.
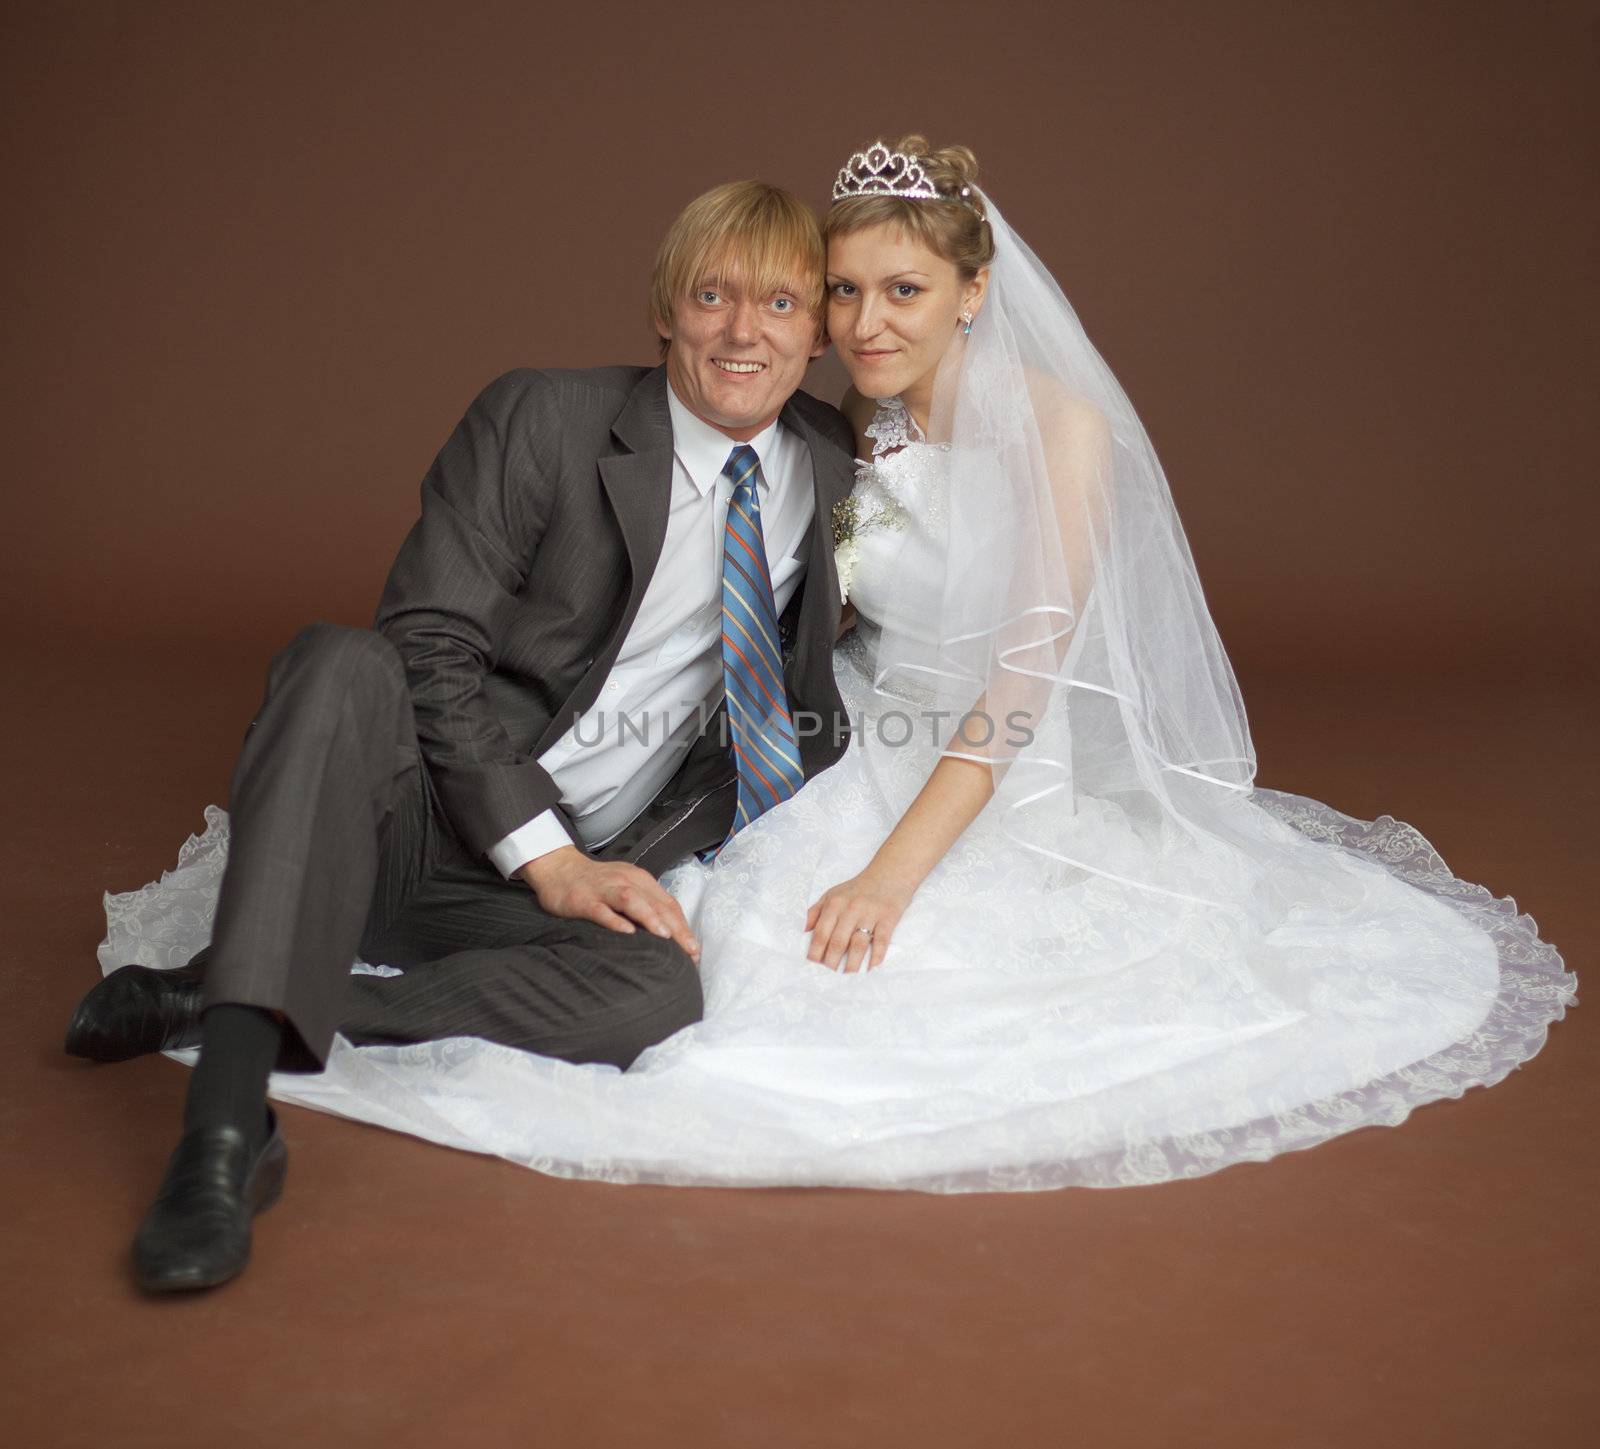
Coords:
844,560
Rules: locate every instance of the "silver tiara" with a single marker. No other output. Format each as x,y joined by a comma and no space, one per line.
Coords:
878,171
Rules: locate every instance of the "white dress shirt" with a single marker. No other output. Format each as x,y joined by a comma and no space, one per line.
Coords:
668,675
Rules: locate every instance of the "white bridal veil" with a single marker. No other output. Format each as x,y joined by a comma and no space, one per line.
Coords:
1059,603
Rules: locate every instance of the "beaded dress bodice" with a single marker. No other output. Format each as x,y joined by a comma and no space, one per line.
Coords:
891,518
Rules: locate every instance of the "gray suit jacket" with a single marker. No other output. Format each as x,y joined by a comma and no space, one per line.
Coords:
542,522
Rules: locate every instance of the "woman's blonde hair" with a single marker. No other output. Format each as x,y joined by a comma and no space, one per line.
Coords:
768,235
955,229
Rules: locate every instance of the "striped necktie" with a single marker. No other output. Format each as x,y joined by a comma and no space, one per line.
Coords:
764,746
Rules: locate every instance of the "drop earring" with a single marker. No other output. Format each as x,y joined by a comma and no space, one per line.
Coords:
967,318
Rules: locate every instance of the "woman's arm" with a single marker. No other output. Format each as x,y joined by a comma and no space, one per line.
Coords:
1077,446
956,791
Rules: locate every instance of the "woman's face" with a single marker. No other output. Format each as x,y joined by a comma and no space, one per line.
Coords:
893,307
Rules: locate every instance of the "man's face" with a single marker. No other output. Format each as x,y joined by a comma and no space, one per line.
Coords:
735,358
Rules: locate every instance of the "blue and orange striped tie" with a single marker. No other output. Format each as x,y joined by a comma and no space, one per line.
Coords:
764,746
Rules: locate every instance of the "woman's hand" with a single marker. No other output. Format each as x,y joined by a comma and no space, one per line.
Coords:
855,918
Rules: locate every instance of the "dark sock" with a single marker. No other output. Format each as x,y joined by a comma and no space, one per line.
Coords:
238,1048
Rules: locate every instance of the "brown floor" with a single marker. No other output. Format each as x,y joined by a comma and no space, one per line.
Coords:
1430,1285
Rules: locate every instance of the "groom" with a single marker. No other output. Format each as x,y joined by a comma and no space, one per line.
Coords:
604,646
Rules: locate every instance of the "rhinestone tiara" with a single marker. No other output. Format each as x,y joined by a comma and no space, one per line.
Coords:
878,171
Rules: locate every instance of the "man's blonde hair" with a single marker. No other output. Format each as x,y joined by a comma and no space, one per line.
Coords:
769,235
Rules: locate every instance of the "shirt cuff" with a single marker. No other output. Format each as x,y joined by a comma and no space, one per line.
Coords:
539,836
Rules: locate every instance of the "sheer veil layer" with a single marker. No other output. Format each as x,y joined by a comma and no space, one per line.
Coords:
1061,634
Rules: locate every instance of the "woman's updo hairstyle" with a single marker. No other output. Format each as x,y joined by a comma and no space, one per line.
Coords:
956,229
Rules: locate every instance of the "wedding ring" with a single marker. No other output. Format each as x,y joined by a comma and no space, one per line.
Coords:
863,931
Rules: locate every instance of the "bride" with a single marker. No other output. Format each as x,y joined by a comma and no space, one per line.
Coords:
1037,928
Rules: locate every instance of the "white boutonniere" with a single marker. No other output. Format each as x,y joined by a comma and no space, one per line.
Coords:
853,518
846,523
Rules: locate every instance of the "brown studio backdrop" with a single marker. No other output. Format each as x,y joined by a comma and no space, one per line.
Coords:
259,258
1339,256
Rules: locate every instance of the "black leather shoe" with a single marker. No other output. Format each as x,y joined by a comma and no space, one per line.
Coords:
137,1010
197,1232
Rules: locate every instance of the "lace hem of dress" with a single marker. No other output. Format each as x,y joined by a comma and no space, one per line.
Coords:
409,1087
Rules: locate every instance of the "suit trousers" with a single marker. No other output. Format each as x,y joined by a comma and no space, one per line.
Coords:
338,849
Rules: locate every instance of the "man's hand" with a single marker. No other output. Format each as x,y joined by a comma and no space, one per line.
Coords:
611,893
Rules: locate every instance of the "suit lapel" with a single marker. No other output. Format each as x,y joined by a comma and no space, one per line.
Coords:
833,475
638,482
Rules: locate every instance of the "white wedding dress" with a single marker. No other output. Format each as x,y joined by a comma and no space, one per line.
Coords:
1034,1025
